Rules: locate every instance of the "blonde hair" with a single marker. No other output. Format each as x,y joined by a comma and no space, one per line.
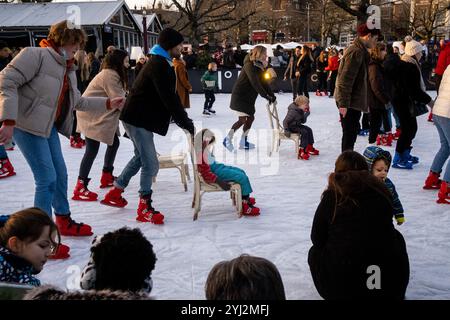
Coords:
211,65
257,52
80,58
301,100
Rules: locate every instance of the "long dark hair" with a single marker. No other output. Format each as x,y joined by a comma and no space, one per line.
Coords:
114,61
352,177
27,225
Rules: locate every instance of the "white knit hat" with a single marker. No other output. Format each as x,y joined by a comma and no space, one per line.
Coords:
412,47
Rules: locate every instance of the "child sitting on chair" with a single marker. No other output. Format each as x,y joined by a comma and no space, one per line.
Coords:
298,112
214,172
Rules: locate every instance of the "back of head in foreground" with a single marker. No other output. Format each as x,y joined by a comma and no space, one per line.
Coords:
120,260
245,278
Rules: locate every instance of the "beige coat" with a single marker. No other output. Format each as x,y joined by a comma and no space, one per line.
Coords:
101,125
29,91
442,105
183,85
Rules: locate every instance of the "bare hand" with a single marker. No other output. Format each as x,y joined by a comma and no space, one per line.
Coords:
117,103
6,133
297,74
343,112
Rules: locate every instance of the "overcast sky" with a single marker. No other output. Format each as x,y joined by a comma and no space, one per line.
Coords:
130,3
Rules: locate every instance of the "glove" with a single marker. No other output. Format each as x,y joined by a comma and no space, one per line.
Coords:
400,218
287,133
225,185
272,99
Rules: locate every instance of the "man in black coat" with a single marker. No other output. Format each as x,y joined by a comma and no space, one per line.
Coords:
151,104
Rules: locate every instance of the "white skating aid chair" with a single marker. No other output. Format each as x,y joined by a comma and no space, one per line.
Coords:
278,130
201,187
175,161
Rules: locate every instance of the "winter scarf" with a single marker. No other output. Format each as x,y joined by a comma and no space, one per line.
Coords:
16,269
65,88
157,50
89,273
412,60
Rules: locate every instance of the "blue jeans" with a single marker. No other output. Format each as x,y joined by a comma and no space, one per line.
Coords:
3,154
443,127
45,158
145,159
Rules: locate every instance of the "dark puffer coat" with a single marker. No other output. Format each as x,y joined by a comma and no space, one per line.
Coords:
361,235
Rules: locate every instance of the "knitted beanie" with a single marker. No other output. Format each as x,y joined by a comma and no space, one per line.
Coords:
372,154
363,30
169,38
412,46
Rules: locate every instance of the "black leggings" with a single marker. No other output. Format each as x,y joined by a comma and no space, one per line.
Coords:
408,124
332,82
322,81
378,116
91,152
303,86
242,121
74,127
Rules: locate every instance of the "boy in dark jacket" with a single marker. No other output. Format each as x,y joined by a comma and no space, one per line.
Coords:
151,104
298,112
379,161
209,82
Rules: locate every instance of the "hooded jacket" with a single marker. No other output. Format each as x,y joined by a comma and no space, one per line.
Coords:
295,117
372,155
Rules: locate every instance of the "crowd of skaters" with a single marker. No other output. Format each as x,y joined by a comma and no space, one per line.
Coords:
359,183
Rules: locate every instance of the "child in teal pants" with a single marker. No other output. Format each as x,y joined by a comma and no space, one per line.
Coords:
214,172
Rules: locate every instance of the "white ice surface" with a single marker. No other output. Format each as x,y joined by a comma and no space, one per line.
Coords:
287,191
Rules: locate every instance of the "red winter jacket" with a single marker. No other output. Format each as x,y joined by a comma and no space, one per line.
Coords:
333,64
204,169
443,60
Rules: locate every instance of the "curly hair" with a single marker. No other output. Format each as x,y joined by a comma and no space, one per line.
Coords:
123,259
62,34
